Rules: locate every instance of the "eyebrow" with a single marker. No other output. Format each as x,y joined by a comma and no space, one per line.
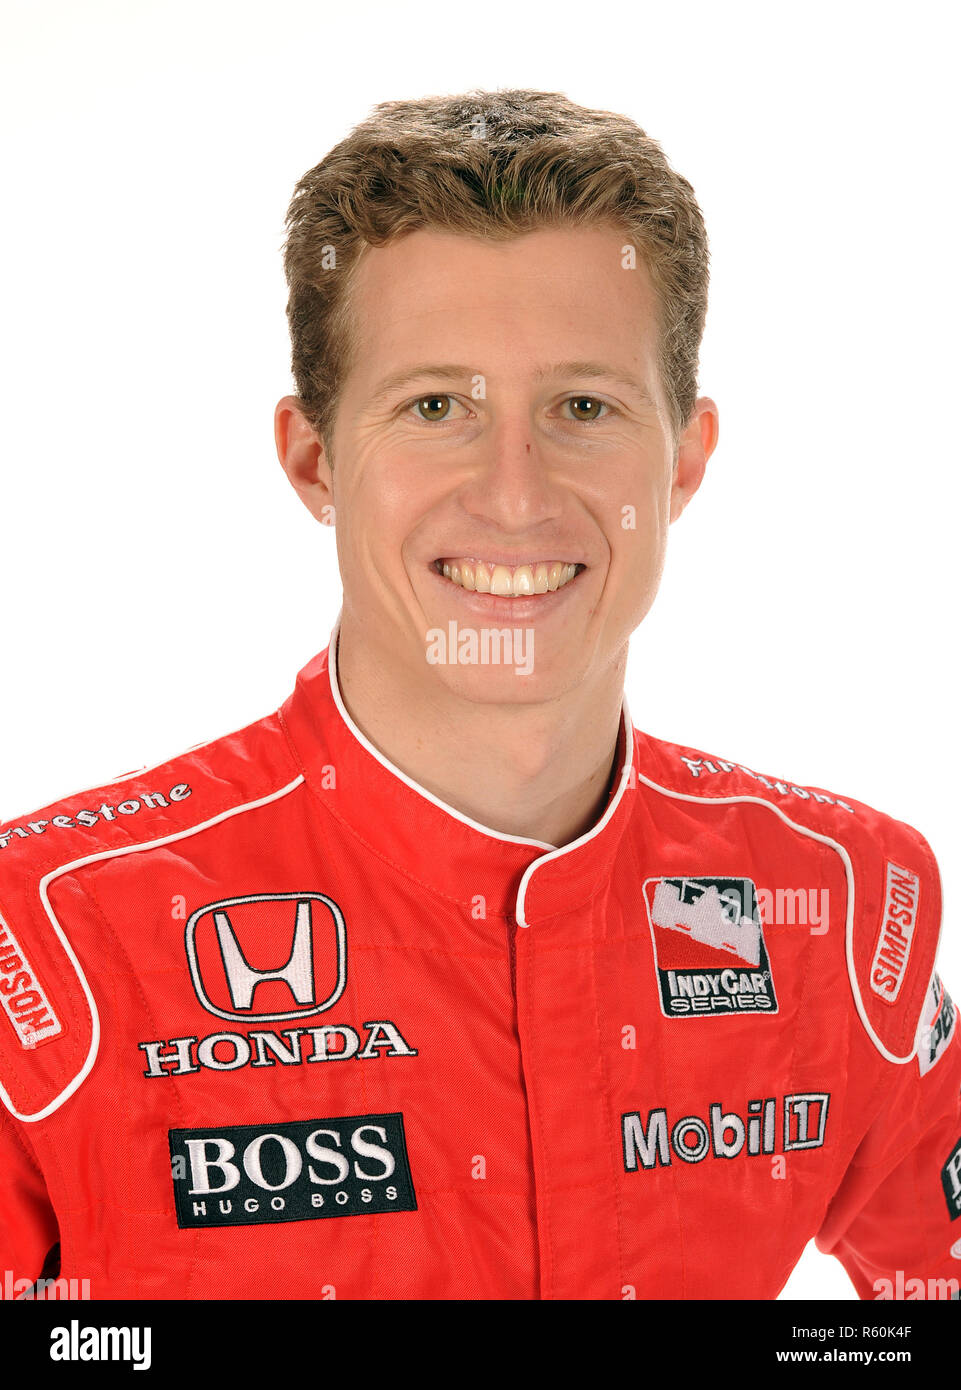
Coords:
455,371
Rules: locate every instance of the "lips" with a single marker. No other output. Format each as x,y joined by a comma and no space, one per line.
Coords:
501,609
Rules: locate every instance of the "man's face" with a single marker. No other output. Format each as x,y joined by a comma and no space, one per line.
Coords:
503,457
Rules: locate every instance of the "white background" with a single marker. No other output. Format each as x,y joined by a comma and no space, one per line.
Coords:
161,583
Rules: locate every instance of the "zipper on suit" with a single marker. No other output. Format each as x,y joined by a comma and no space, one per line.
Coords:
512,953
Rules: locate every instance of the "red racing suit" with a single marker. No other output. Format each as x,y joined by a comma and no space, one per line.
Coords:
280,1023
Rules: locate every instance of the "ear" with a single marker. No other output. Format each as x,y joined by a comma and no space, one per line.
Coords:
304,459
695,447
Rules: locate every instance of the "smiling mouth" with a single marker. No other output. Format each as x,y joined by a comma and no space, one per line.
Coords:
508,581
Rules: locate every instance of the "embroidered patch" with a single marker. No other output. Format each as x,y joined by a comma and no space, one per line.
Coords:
761,1131
22,997
300,936
709,949
951,1181
898,921
937,1024
246,1175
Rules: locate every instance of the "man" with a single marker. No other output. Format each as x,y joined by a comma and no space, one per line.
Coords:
442,980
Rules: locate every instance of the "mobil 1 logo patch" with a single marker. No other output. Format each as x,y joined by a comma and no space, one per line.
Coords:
247,1175
709,950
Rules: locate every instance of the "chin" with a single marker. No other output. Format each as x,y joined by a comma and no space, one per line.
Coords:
503,684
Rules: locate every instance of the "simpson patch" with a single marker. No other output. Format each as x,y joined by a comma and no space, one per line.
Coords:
21,994
898,920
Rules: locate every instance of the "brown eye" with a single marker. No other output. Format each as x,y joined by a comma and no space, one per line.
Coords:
588,404
435,407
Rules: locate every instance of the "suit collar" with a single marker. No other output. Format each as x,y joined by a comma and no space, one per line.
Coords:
430,842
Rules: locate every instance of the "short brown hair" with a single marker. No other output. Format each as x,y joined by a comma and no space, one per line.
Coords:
494,164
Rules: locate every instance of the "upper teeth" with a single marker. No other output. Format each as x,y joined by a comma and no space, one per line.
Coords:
485,577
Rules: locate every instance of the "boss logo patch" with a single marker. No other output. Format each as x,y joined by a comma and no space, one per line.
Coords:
246,1175
709,949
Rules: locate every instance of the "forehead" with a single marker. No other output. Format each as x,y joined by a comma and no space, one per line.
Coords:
556,292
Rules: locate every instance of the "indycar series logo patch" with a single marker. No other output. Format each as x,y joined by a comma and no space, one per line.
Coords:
709,949
300,1170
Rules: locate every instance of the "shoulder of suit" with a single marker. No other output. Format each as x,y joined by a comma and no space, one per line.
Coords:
894,896
49,1028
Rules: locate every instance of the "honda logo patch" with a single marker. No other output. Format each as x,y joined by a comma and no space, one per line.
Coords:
709,949
271,956
300,1170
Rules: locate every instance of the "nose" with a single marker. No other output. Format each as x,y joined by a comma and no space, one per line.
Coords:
512,484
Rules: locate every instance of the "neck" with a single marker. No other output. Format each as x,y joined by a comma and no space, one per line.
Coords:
537,771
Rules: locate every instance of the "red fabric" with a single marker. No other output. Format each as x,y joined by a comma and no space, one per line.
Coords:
524,1047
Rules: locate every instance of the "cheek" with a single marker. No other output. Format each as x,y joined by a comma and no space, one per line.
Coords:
632,496
384,492
376,503
639,534
641,573
395,487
